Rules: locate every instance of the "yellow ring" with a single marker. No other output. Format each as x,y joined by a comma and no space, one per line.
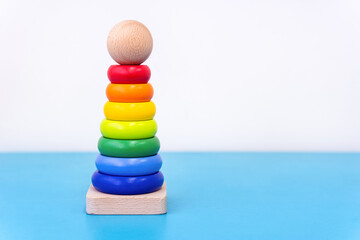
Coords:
128,130
129,111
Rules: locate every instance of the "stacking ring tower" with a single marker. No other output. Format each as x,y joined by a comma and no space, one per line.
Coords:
128,179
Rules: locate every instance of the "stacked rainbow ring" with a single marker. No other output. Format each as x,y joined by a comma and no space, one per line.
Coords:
128,162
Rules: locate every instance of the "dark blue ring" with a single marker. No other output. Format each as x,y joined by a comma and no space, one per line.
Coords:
128,166
127,185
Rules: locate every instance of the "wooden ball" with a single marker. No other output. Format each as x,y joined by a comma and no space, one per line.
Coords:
129,42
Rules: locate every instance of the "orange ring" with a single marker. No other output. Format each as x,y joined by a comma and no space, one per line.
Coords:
129,92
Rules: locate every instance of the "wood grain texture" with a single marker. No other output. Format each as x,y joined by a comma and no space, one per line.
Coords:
129,42
99,203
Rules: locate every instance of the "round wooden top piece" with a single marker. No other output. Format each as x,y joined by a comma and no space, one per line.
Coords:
129,42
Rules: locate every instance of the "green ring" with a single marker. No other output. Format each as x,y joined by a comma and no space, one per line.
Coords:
128,148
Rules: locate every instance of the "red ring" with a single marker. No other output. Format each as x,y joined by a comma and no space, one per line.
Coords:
130,74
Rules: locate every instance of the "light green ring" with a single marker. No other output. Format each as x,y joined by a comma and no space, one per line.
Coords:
128,130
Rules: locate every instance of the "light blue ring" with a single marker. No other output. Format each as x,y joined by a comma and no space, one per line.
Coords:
128,166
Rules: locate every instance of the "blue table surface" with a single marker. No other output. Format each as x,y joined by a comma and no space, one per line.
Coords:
210,196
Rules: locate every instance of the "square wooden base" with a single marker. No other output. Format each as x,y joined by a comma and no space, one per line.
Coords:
99,203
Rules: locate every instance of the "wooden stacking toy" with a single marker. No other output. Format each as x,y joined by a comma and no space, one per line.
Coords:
127,179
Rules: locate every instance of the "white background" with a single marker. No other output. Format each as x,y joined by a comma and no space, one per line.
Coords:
228,75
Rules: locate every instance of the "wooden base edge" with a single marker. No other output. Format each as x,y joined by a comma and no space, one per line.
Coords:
99,203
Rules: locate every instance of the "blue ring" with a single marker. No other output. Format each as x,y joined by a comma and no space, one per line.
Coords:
127,185
128,166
